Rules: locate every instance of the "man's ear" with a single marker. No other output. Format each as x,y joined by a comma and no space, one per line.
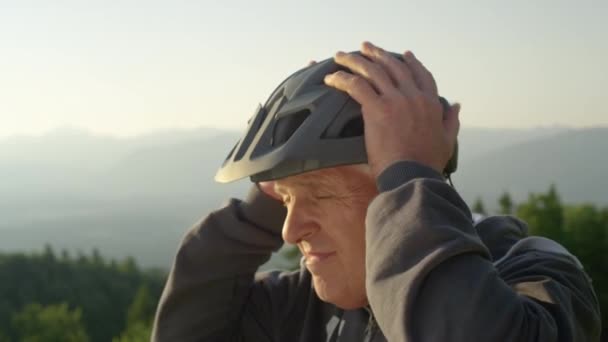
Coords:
452,121
269,189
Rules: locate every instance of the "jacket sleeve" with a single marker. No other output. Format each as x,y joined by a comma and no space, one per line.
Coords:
212,292
430,278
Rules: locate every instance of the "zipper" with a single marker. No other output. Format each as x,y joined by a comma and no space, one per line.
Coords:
336,330
372,326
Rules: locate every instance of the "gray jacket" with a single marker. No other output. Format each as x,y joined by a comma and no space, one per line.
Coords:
431,276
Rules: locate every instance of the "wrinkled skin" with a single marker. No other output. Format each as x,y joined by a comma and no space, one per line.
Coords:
326,214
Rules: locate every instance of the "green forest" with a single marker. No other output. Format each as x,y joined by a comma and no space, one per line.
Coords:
49,297
52,296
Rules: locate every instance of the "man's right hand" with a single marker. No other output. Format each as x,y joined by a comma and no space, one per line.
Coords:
403,117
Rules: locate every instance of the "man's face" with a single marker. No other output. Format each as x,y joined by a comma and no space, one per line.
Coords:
326,212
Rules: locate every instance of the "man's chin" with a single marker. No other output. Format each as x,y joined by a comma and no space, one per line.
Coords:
340,297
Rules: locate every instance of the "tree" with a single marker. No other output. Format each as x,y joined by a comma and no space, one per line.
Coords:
35,323
102,293
4,337
139,317
138,332
97,258
65,255
478,207
506,204
82,258
128,266
49,253
544,214
142,308
586,232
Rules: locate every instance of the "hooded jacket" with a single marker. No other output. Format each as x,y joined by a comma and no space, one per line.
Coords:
431,275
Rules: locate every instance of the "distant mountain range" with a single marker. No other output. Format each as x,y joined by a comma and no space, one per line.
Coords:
138,196
576,161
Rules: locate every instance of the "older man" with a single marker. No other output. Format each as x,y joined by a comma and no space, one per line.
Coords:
390,249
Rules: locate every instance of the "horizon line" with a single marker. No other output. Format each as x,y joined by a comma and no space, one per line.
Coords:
81,130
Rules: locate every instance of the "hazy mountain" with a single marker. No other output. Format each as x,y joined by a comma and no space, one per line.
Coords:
475,142
575,160
67,146
138,196
125,196
67,159
180,168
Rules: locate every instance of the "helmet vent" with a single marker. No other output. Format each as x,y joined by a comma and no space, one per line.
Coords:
353,128
286,126
232,151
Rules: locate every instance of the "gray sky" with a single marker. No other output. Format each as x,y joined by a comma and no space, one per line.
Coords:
128,67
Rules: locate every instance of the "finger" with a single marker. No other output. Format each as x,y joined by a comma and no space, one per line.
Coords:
424,79
372,72
354,85
397,70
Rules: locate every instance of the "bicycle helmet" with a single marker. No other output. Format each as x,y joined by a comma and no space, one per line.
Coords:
304,125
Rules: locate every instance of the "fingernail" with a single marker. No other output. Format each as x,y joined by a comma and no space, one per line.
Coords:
328,78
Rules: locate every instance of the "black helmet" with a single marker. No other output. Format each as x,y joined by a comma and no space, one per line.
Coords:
304,125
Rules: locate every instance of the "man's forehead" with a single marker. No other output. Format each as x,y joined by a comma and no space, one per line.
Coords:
310,180
329,178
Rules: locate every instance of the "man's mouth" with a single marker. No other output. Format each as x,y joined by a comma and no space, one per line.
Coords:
317,257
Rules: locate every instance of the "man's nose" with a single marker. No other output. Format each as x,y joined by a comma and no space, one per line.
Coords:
299,224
